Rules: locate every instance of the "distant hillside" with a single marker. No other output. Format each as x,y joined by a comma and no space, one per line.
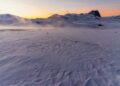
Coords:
8,19
93,18
69,19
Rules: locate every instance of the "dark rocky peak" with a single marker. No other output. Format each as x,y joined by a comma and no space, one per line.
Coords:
95,13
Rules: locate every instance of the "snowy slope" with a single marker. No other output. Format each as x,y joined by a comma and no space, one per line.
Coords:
91,19
111,22
70,19
8,19
60,57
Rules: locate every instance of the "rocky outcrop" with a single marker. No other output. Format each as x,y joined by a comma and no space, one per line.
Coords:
95,13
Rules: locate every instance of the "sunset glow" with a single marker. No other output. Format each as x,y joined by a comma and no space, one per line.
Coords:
45,8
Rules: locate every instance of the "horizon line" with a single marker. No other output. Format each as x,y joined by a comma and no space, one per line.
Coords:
34,17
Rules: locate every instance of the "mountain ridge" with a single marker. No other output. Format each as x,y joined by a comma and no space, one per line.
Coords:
92,17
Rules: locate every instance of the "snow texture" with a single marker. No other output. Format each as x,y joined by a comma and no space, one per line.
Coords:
60,57
70,50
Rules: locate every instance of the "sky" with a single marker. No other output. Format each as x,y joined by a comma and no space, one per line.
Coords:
45,8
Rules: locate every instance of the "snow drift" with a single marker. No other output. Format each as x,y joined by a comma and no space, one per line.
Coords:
60,57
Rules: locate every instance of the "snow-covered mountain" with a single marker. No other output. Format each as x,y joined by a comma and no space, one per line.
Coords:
70,19
92,19
8,19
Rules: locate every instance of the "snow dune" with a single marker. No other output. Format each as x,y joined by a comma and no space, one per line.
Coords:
60,57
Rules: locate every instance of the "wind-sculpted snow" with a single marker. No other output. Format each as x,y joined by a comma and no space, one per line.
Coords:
60,57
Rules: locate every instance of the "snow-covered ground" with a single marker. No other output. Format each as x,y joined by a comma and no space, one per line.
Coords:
60,57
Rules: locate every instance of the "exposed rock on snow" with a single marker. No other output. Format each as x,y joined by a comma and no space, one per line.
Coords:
91,19
95,13
70,19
